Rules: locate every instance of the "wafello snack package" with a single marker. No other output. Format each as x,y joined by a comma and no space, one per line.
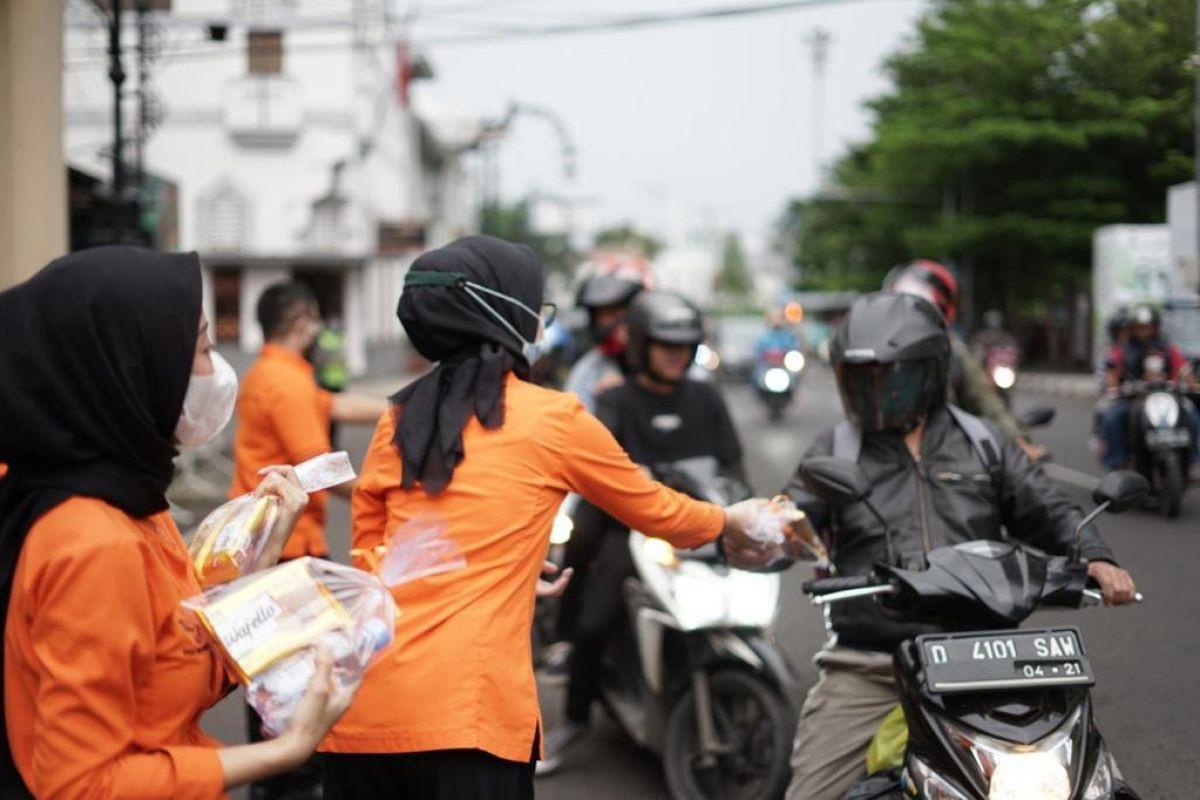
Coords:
270,624
231,539
788,533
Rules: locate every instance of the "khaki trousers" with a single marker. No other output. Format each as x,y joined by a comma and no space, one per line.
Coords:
841,714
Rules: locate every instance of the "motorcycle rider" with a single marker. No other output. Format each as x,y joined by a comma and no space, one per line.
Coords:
968,385
659,416
1130,361
991,334
606,295
939,476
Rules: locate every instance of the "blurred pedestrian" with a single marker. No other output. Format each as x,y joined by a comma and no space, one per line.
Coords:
284,418
107,366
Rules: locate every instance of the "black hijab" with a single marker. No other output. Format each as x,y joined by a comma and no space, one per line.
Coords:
475,352
96,353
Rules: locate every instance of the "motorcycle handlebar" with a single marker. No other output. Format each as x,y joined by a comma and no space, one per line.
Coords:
822,586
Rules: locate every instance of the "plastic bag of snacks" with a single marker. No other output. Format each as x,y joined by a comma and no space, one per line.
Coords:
270,624
788,534
232,538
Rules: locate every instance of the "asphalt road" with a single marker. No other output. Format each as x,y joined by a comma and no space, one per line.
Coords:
1145,658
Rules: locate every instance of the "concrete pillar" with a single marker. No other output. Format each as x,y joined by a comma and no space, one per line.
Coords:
33,176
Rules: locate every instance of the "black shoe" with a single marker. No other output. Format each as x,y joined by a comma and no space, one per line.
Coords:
556,660
559,743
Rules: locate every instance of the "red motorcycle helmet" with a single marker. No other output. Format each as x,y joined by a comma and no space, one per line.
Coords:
929,280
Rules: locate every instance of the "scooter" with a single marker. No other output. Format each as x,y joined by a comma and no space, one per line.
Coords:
696,674
776,376
1160,440
993,712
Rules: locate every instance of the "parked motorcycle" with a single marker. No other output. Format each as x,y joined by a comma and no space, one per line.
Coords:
696,674
1160,440
993,712
776,377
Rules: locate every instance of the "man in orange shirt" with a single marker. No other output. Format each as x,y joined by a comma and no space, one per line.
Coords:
283,418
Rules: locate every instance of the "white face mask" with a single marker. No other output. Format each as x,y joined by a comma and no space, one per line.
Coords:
208,405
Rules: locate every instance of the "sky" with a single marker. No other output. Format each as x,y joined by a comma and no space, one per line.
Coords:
697,124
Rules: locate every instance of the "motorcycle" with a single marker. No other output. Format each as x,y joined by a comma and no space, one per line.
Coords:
1000,364
1160,440
695,674
994,712
776,377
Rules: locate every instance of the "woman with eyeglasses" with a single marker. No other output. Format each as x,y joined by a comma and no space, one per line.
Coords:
451,711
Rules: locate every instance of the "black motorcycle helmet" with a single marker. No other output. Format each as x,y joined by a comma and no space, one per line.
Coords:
891,355
664,317
600,291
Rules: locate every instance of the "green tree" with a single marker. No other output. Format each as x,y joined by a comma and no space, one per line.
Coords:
513,222
733,279
1014,128
627,236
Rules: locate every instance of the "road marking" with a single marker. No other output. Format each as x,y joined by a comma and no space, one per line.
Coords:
1074,477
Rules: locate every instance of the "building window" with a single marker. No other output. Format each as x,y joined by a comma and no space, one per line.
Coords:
264,52
227,292
224,224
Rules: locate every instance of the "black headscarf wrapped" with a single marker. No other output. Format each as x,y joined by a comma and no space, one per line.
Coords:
473,350
96,353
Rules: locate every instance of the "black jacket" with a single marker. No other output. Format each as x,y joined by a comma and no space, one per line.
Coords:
947,498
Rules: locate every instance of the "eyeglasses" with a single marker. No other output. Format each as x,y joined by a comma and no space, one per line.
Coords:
549,314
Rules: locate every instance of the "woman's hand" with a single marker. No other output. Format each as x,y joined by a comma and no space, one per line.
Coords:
741,549
323,704
283,483
554,588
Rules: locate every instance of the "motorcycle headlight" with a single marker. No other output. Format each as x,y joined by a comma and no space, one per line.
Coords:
1040,771
794,361
561,530
777,380
1004,377
1161,409
707,357
697,604
660,552
923,780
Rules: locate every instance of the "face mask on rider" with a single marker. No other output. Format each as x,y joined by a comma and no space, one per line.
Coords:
208,404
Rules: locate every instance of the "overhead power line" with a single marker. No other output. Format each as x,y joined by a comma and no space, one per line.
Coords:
511,33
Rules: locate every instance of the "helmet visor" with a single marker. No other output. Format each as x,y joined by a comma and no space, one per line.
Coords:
890,397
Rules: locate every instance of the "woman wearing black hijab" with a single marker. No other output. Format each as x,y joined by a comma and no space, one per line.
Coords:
450,711
105,362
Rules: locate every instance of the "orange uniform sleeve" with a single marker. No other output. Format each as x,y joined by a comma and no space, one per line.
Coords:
302,421
368,505
87,639
598,468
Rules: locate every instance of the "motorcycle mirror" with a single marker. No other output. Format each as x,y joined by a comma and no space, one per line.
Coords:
1037,417
834,480
1121,491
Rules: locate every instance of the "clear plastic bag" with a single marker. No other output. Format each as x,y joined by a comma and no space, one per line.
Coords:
417,549
270,624
787,533
232,538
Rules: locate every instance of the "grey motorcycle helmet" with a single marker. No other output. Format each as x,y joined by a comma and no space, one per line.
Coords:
660,316
891,356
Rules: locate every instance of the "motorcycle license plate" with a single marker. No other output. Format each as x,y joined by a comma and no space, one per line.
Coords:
1004,660
1167,438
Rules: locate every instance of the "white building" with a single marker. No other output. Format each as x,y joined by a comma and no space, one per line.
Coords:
294,149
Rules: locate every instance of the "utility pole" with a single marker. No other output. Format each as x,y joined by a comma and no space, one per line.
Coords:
1196,137
116,74
143,62
819,41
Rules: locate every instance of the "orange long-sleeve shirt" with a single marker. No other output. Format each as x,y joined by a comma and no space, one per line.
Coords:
283,418
105,677
460,671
